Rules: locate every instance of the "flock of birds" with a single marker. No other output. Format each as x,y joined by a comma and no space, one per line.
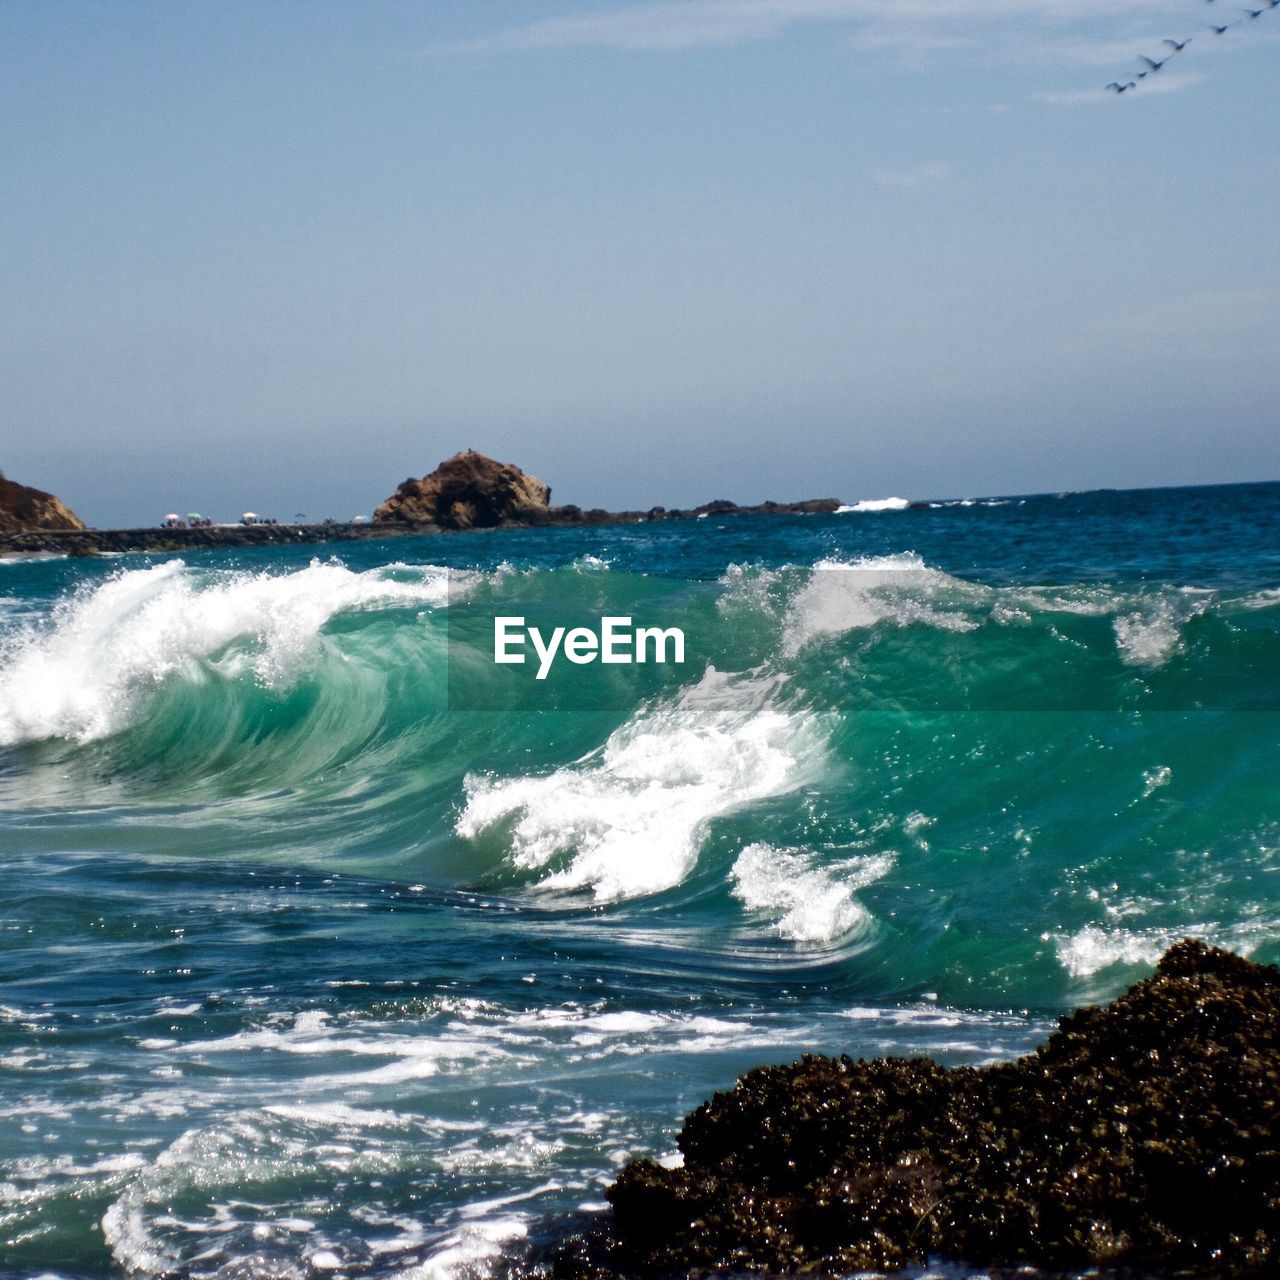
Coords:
1152,65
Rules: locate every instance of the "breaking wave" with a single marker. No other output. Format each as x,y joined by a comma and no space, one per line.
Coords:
629,819
875,504
89,671
313,705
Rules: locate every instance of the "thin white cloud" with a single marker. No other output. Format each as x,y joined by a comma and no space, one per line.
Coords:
1074,97
1106,36
1165,82
1117,51
686,24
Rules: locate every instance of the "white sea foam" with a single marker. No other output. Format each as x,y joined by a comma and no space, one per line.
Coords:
875,504
85,676
976,502
629,818
591,564
339,1115
467,1250
412,1057
747,586
1147,637
254,1181
229,1166
898,590
1267,598
1095,947
806,901
1154,779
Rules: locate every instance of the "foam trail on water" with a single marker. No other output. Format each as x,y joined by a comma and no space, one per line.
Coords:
85,676
629,818
470,1250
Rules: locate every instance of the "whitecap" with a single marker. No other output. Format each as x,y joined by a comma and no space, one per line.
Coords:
806,901
1094,947
629,818
898,590
1147,637
875,504
86,674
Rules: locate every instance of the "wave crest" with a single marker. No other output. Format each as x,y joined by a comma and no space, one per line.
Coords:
86,674
628,819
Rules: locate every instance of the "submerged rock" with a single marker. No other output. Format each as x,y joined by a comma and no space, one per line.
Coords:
469,491
1142,1135
22,508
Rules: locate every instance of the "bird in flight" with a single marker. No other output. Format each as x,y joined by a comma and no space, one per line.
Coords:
1151,65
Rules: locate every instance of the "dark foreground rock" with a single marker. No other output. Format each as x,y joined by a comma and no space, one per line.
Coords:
1142,1137
22,507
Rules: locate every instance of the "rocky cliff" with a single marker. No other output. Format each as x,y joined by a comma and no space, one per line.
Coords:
469,491
22,507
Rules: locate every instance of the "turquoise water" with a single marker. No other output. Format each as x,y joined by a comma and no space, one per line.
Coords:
313,963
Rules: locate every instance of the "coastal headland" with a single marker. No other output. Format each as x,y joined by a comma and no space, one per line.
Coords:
467,491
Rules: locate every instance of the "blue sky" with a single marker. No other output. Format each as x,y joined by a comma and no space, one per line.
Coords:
281,255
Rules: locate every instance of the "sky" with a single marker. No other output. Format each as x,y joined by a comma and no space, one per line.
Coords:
279,256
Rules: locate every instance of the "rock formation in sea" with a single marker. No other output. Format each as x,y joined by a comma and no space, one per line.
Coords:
22,508
1143,1136
469,491
472,491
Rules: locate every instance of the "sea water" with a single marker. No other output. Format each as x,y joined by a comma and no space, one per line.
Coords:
315,963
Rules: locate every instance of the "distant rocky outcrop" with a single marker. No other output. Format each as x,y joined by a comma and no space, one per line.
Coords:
469,491
22,508
472,491
1143,1137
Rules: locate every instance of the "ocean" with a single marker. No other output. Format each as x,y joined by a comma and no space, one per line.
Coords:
323,951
